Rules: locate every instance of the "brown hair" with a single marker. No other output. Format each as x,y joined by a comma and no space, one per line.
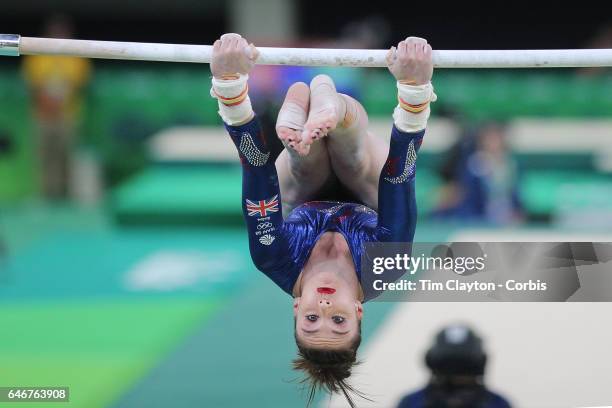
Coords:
328,369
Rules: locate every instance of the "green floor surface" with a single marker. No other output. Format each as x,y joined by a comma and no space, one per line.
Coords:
97,348
68,315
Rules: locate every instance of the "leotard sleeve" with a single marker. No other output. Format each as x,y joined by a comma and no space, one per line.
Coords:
397,210
261,203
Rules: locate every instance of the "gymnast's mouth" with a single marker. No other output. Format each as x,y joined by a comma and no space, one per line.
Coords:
326,291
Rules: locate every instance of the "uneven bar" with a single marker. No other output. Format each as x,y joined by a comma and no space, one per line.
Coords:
307,56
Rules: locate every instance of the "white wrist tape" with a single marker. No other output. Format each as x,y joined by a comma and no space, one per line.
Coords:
413,95
229,89
292,116
416,94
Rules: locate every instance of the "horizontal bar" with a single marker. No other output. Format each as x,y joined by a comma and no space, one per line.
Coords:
316,56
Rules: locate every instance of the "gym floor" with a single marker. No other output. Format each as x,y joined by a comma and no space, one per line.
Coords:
160,317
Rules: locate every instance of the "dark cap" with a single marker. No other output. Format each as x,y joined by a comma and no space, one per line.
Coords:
457,351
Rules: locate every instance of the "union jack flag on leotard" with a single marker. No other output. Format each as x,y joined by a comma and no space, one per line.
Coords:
261,208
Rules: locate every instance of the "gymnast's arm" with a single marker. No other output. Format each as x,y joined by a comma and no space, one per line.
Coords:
232,60
412,66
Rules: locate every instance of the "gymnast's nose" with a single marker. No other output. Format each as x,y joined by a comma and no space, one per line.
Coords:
324,303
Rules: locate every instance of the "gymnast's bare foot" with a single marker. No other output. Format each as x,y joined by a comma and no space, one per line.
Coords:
326,107
292,116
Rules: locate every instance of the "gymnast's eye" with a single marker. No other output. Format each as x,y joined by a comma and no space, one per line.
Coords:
338,319
312,317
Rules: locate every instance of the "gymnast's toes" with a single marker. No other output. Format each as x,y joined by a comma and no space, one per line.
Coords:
289,137
319,124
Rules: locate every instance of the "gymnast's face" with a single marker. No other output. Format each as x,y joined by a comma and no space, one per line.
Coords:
327,317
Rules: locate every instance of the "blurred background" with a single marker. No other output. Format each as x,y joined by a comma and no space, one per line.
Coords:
124,266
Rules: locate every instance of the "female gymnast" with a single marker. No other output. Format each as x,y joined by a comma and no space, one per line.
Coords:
314,252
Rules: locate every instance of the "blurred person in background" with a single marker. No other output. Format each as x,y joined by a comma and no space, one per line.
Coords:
56,84
313,253
481,179
457,363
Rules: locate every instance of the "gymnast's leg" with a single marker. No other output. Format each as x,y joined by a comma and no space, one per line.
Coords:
356,155
302,171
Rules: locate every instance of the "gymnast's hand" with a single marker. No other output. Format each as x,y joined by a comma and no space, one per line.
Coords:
232,55
411,63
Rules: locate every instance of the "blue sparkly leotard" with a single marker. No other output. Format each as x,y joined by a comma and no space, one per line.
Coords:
280,247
